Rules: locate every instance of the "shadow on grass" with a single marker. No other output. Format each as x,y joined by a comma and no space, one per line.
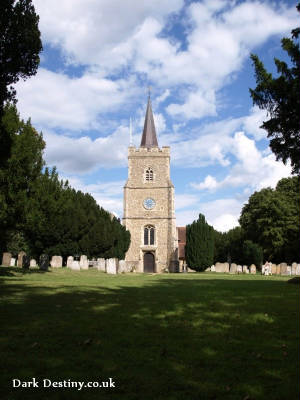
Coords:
14,271
159,339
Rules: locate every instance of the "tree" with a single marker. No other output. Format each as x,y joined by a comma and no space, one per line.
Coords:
20,45
21,171
199,248
252,253
280,98
271,219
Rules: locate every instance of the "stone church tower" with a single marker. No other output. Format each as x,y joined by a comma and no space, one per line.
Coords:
149,212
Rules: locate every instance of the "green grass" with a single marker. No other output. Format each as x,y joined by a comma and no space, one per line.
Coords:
172,336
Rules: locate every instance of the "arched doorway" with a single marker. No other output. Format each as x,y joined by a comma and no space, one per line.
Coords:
149,263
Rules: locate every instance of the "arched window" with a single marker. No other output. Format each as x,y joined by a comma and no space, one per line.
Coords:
149,175
149,235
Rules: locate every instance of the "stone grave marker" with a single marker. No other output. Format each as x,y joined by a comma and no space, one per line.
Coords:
283,269
239,269
44,262
20,258
298,269
112,266
294,268
26,262
6,259
32,262
233,268
213,268
84,263
252,269
13,262
70,260
278,269
56,262
101,264
274,269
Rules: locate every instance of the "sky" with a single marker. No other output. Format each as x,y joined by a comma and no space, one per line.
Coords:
99,58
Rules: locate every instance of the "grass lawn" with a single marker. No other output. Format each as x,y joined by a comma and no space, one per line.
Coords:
171,336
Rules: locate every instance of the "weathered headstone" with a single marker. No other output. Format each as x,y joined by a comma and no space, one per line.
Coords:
20,258
245,269
44,262
289,270
70,260
12,262
101,264
56,262
252,269
233,268
32,262
278,269
84,263
294,268
283,269
239,269
122,267
263,269
112,266
207,269
6,259
75,265
26,262
274,269
298,269
213,268
226,267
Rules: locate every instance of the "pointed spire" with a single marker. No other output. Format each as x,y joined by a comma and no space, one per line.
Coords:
149,138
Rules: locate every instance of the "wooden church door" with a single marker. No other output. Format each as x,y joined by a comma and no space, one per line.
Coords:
149,263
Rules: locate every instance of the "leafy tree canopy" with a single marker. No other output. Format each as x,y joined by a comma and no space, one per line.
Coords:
280,98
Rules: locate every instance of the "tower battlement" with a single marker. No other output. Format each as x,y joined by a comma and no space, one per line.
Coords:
144,151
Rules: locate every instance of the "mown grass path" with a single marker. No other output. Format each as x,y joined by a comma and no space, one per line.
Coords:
172,336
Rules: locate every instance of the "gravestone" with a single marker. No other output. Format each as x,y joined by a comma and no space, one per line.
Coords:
263,269
32,262
274,269
233,268
252,269
70,260
122,267
298,269
239,269
207,269
112,266
6,259
44,262
289,270
226,267
283,269
26,262
56,262
12,262
245,269
20,258
278,269
294,268
84,263
101,264
213,268
75,265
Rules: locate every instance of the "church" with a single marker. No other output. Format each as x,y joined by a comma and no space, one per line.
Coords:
149,212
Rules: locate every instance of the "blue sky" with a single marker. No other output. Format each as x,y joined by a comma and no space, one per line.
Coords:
99,58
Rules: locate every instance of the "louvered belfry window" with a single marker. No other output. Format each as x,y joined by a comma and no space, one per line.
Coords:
149,235
149,174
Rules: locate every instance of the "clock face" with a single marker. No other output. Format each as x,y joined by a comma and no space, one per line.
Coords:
149,203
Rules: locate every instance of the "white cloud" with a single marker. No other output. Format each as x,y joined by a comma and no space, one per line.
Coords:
253,122
55,100
252,169
185,200
83,155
